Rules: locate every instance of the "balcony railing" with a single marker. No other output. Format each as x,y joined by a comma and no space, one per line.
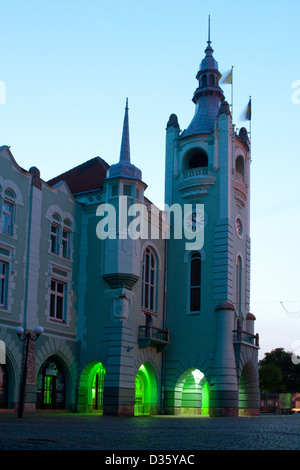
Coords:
240,336
152,336
239,177
195,172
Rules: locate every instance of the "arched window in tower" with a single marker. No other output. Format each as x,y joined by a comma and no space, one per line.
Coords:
239,285
239,167
204,81
149,280
212,79
195,283
198,159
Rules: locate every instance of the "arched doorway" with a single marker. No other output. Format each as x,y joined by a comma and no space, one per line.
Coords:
146,395
51,385
98,376
90,393
192,393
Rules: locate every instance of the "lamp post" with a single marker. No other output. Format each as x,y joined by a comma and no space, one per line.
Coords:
26,337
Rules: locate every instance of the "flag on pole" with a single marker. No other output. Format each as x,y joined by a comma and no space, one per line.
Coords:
248,112
227,78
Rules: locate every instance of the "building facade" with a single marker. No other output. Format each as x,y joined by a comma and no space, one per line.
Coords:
136,320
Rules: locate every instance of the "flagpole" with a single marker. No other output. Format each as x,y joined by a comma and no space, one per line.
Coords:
232,92
250,118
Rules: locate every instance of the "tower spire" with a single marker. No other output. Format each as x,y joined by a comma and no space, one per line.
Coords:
125,144
124,168
208,96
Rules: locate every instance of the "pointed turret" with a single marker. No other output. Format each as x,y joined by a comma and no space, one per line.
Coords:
208,96
125,145
125,168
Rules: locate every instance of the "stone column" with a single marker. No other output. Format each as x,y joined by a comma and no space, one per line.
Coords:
119,389
224,387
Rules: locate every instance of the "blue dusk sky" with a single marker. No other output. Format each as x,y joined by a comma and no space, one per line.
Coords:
67,67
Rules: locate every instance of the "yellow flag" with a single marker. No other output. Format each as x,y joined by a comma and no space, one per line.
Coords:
228,77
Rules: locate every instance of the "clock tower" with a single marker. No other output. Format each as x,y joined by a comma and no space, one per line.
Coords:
211,364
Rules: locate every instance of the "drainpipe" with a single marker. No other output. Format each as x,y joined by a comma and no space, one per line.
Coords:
164,327
27,257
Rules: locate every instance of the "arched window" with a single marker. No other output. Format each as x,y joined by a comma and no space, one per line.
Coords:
239,167
55,233
204,80
8,211
195,283
149,280
66,238
198,159
239,285
60,234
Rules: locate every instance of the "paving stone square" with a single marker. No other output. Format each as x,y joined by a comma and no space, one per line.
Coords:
66,431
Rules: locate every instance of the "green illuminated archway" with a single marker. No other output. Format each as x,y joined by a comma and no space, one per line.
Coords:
192,392
146,394
90,393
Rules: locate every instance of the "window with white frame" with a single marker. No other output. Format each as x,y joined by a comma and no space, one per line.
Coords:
195,283
60,236
3,283
54,238
66,239
8,208
149,280
57,299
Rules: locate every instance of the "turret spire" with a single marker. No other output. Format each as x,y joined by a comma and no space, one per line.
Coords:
208,96
124,167
125,145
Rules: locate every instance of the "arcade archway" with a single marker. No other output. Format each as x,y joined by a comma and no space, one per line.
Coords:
146,394
192,393
90,393
51,385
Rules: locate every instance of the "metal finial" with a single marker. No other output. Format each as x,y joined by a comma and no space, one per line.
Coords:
209,41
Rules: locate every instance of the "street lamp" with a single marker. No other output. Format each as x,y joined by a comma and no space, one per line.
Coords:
27,337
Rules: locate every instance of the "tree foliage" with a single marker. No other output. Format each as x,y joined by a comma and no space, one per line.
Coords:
270,379
278,370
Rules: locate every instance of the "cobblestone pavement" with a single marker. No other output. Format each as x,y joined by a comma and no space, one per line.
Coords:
66,431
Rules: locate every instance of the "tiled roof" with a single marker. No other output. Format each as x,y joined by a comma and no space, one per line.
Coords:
85,177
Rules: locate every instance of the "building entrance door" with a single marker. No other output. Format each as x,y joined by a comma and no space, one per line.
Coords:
51,387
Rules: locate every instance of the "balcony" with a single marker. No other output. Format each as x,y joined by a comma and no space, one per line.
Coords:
240,189
195,182
153,337
240,336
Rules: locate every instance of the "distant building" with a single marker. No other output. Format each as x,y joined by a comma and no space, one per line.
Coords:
134,323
